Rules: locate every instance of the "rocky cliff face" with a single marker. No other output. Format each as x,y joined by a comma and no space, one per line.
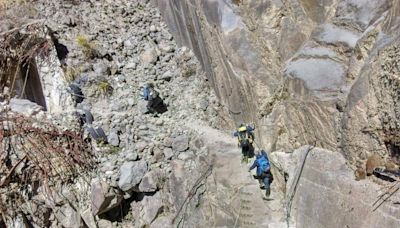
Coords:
304,71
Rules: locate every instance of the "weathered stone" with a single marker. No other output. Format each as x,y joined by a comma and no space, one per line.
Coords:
25,107
167,142
102,223
140,146
131,156
186,156
150,182
101,69
88,218
168,153
113,139
162,222
102,199
167,76
180,143
149,56
68,217
131,173
152,207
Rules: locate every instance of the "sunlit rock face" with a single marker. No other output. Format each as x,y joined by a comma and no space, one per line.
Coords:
305,71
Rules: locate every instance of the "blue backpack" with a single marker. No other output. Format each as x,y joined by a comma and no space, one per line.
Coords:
264,164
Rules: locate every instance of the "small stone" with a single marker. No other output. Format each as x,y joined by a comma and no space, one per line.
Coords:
167,76
143,127
128,43
101,69
131,156
203,104
149,56
140,146
168,153
186,156
131,65
102,223
113,139
180,143
159,122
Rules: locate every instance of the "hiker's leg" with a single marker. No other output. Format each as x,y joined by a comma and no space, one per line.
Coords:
260,181
266,184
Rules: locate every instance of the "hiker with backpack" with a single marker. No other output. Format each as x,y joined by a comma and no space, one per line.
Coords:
263,173
154,102
245,134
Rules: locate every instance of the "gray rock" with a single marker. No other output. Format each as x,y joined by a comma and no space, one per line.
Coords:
167,76
180,143
140,146
131,156
143,127
102,198
131,65
152,207
162,222
159,122
167,142
25,107
168,153
102,223
203,104
150,182
101,69
113,139
88,218
186,156
149,56
68,217
131,173
128,43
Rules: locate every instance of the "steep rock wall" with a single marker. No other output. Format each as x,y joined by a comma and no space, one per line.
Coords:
305,71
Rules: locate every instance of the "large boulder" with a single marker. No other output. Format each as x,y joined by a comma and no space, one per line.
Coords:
131,173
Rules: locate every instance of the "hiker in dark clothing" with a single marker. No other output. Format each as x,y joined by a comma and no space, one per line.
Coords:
154,102
263,173
245,135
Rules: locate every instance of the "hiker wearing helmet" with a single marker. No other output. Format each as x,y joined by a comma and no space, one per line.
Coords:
263,173
245,134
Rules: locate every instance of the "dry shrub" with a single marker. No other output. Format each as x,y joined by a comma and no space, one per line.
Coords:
88,48
36,157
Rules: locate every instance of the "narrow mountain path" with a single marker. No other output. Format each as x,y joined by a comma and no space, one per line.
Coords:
232,193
